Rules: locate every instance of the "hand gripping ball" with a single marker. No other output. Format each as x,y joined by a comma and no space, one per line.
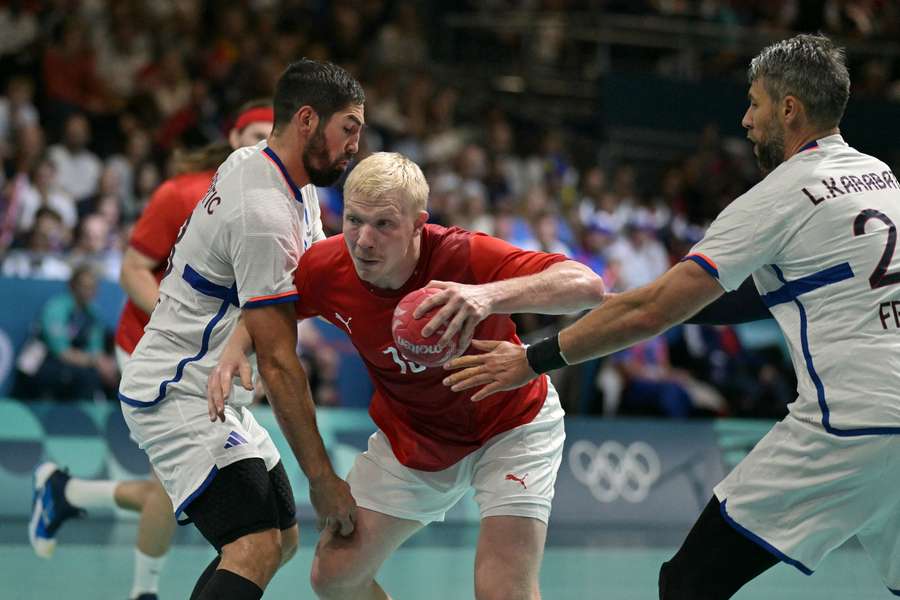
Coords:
408,332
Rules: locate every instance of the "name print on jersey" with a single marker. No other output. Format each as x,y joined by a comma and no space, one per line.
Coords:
211,200
849,184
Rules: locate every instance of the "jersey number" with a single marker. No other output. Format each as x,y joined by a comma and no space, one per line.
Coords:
880,277
414,367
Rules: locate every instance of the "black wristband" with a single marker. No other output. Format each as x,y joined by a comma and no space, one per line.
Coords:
545,355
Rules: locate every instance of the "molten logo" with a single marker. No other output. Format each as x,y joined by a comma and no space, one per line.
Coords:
519,480
419,348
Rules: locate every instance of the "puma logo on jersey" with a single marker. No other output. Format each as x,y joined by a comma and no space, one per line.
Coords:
346,321
519,480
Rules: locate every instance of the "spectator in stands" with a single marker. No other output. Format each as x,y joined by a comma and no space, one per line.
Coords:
123,49
642,255
93,247
38,191
546,230
69,72
41,257
77,168
125,167
17,111
19,28
74,364
597,237
29,147
652,386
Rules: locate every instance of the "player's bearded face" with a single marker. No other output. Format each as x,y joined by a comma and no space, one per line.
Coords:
764,128
770,146
322,170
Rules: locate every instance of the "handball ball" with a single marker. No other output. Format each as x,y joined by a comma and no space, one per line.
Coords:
408,332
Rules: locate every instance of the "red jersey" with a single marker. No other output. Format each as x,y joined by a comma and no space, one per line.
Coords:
154,235
429,426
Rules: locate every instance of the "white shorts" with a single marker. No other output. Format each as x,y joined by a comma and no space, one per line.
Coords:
186,449
513,474
802,492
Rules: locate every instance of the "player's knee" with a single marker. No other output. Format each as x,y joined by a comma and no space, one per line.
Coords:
290,540
332,577
257,553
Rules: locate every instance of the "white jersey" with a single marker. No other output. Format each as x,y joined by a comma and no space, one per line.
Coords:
818,234
238,248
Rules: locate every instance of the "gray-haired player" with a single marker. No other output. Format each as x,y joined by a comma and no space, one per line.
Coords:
818,236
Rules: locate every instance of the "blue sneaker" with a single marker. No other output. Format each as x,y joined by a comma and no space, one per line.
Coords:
49,508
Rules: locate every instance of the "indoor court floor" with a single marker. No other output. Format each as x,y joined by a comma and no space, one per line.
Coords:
94,561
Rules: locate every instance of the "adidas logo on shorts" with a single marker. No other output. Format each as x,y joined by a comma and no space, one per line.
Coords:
234,439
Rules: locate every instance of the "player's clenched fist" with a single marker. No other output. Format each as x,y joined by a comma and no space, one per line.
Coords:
334,504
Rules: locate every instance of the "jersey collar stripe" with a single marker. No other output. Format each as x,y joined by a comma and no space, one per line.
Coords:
761,542
277,161
704,261
273,299
179,370
208,288
202,488
791,290
810,146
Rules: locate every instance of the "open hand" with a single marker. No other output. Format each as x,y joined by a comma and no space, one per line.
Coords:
503,367
218,385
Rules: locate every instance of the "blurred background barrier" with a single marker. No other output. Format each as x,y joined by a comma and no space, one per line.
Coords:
21,301
630,472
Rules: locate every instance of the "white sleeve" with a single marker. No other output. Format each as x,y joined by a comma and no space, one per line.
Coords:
265,249
748,234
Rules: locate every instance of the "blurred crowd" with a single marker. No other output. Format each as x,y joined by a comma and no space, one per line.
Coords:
100,96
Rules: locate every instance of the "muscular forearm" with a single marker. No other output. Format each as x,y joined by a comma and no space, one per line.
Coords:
285,381
623,320
141,286
627,318
562,288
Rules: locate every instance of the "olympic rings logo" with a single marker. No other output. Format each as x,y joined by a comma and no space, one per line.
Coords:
612,471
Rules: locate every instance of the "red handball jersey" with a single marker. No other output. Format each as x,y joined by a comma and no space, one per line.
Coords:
429,426
154,235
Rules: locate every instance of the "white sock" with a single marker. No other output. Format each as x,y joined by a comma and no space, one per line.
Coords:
146,573
85,493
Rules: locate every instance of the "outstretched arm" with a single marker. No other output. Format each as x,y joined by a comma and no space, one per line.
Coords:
743,305
621,321
561,288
